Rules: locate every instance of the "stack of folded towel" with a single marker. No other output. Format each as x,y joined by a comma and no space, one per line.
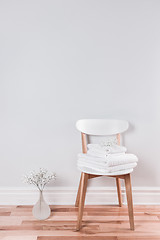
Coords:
107,159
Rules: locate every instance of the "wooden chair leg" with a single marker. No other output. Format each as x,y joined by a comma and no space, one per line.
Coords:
83,189
118,182
129,200
78,193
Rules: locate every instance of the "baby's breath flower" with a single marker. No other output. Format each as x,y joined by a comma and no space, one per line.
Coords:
40,178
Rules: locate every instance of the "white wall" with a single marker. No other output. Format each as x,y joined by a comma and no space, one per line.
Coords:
65,60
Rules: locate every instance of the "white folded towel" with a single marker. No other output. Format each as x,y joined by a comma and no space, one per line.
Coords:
98,159
107,159
120,159
98,168
98,150
111,160
95,153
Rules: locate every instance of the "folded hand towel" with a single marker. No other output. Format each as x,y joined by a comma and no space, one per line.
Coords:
106,169
95,153
93,158
90,161
100,149
111,160
115,159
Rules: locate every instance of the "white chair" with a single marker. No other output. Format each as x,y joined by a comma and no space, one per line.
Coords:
102,127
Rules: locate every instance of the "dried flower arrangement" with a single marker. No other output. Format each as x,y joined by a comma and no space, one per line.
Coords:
40,179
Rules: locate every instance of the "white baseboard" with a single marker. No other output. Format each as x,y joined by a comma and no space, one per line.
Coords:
66,196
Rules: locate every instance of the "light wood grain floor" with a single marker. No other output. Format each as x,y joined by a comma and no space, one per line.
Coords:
99,223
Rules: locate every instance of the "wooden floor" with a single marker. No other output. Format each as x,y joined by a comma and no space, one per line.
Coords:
99,222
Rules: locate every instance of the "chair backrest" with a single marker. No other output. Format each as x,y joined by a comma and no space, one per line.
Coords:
102,126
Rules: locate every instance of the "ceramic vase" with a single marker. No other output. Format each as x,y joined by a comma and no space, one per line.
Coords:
41,210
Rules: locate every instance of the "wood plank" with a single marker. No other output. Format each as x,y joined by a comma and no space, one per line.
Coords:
76,238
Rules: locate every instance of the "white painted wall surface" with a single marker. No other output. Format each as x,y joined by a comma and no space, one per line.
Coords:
61,61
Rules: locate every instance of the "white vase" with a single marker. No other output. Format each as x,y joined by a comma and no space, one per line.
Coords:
41,210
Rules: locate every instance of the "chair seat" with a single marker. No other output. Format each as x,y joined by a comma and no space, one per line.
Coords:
94,172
